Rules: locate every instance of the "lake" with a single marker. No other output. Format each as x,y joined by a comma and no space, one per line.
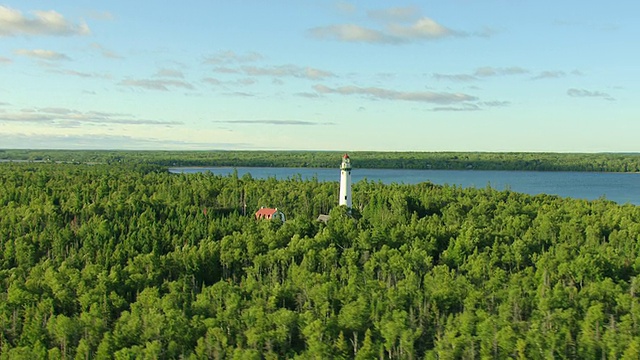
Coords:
620,187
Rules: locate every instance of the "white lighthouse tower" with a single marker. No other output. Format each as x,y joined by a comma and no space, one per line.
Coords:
345,182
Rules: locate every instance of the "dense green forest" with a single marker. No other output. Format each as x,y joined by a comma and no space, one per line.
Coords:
609,162
123,261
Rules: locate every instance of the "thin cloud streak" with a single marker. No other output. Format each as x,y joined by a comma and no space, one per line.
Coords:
81,74
400,25
308,95
352,33
230,57
14,23
156,84
104,141
225,70
42,54
240,82
488,71
463,107
57,116
496,103
395,14
588,93
106,53
288,71
170,73
423,29
549,74
386,94
275,122
279,71
455,77
240,94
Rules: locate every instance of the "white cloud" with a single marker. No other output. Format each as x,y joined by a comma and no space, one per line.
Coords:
105,141
424,28
486,71
309,95
241,82
455,77
171,73
399,25
230,57
493,71
42,54
472,107
4,60
549,75
278,71
275,122
288,70
240,94
14,23
351,33
588,93
555,74
81,74
225,70
156,84
496,103
462,107
386,94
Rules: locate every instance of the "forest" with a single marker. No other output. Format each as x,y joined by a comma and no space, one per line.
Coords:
125,260
595,162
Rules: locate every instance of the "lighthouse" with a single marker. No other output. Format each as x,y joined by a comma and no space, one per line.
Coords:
345,182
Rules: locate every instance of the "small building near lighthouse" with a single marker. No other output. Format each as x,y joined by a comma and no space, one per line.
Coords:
269,214
345,182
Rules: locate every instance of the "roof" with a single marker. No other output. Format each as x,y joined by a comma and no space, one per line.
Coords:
346,156
266,212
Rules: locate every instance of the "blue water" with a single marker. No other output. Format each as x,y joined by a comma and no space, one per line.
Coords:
620,187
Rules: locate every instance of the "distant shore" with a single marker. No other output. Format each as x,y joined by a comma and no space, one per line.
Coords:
589,162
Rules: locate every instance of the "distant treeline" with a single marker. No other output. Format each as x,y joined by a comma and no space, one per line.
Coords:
600,162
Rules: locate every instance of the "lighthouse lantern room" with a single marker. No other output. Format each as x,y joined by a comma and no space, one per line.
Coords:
345,182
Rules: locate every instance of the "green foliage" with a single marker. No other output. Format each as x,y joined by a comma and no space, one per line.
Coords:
122,261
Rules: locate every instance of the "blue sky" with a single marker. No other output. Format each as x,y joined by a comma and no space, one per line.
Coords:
444,75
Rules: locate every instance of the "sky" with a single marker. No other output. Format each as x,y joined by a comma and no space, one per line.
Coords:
440,75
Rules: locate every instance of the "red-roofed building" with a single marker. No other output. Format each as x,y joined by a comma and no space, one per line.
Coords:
269,214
